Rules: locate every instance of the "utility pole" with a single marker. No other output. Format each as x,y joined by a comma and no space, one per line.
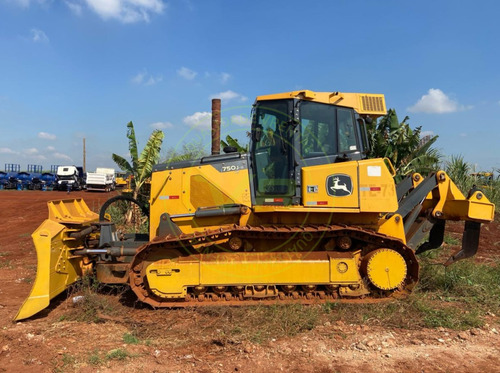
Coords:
84,167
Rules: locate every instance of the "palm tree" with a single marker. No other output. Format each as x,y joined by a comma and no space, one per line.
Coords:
142,165
403,146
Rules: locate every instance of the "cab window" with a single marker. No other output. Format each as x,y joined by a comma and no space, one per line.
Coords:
273,151
318,129
347,137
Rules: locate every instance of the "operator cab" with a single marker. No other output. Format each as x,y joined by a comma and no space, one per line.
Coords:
289,134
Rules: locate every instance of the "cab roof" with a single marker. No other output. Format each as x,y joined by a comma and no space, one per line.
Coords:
369,104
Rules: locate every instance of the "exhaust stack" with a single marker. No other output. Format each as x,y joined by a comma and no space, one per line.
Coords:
215,126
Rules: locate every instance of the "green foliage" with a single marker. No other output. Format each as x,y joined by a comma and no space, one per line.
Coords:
455,297
6,264
459,171
450,240
92,305
313,138
245,323
234,142
94,358
117,354
190,151
402,145
68,359
141,166
462,174
130,339
128,217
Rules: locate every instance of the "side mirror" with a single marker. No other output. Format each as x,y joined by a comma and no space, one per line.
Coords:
368,120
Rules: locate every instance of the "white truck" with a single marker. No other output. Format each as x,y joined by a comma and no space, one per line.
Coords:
103,180
69,178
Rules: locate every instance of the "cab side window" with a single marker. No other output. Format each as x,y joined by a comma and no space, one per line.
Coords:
318,130
347,137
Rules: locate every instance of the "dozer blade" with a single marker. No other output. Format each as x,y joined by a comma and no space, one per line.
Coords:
57,268
470,242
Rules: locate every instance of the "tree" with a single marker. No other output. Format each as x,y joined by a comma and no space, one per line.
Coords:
234,143
407,152
141,166
190,151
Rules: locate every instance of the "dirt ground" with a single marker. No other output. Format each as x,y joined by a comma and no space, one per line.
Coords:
193,340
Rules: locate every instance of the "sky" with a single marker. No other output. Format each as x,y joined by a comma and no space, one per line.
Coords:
74,69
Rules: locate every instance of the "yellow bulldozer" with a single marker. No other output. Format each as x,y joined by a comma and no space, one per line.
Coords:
304,216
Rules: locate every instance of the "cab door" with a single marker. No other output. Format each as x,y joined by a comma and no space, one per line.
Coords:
273,154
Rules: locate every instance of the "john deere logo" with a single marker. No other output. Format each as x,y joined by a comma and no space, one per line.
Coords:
339,185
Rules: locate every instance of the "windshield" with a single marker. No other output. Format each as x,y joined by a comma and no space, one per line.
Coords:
272,148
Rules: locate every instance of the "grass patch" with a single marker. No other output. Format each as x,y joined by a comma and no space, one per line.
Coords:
68,359
130,339
5,253
118,354
95,358
67,362
456,297
466,282
450,240
92,303
6,264
261,323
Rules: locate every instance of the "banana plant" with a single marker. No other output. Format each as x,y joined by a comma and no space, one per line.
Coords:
234,143
402,145
141,165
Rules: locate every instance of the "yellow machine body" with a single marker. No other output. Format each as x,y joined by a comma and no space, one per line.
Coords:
57,268
297,218
364,103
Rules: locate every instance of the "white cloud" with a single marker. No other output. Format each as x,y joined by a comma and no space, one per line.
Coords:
144,78
139,78
126,11
240,120
229,96
31,151
51,148
46,136
161,125
7,151
436,101
38,36
154,80
187,73
199,120
426,133
62,156
224,77
76,8
39,157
